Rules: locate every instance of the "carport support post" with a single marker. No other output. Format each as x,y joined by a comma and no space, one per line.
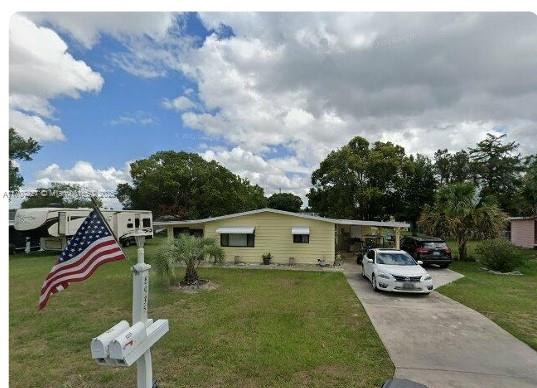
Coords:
397,238
169,231
140,301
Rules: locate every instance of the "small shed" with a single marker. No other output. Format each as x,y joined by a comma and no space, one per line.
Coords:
524,231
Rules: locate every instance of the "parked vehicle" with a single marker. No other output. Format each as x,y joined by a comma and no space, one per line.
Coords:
401,383
430,250
395,270
55,226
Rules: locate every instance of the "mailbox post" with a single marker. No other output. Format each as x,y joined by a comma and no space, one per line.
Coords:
124,345
140,300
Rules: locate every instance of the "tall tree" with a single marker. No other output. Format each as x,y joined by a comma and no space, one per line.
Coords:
418,185
528,190
442,165
498,168
186,186
59,195
285,201
359,181
460,214
19,149
453,168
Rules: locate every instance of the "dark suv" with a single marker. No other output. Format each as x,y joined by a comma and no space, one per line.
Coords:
430,250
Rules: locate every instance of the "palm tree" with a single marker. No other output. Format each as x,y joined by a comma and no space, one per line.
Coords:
460,214
189,250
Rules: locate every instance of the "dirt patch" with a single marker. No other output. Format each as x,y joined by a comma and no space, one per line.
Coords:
201,285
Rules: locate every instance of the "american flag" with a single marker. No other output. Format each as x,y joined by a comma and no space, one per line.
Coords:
91,246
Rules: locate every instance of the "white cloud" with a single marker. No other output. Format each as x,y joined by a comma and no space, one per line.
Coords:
138,118
102,181
180,104
279,173
84,174
33,126
308,83
87,27
40,68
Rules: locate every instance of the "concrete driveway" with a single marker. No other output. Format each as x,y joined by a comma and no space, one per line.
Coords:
441,343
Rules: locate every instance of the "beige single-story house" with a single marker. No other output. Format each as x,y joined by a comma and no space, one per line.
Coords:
524,231
246,236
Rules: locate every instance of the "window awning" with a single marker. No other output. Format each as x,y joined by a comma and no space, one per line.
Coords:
236,230
300,230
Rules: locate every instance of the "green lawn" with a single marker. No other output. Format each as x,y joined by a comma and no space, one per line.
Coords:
259,328
510,301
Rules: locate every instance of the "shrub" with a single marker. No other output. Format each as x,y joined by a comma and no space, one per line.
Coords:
189,250
499,255
267,257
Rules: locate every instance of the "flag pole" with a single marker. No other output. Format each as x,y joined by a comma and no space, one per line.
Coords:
96,208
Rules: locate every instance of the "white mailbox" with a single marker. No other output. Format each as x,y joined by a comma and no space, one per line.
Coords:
100,345
129,344
124,345
127,341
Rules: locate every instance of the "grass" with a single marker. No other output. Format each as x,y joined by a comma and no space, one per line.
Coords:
259,328
510,301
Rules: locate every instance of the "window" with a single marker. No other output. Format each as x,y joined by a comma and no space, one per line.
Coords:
129,225
146,222
136,222
301,238
237,240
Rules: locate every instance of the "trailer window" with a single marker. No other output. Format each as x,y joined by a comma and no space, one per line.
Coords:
146,222
301,238
136,222
129,225
237,240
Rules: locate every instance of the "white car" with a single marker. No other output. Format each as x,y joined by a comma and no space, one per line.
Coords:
395,270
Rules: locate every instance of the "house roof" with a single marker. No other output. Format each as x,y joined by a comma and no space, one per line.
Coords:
522,218
341,221
425,238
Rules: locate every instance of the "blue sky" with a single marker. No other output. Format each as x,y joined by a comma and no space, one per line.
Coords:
268,95
92,124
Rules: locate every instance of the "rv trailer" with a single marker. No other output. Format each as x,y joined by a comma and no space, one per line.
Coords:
55,226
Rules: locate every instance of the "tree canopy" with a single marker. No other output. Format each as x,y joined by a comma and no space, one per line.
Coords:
528,190
371,182
19,149
498,168
285,201
186,186
59,195
453,168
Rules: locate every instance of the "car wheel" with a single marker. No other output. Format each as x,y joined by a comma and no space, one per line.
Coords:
443,265
126,243
374,282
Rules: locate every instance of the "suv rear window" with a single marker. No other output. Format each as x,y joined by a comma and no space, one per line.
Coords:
434,245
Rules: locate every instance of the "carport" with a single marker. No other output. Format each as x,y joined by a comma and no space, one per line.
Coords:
354,236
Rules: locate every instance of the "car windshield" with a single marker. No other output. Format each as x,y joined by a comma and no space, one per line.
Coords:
395,259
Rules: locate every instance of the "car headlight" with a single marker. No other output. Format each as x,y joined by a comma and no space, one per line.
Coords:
384,275
427,277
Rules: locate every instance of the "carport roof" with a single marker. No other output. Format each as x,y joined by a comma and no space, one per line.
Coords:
340,221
